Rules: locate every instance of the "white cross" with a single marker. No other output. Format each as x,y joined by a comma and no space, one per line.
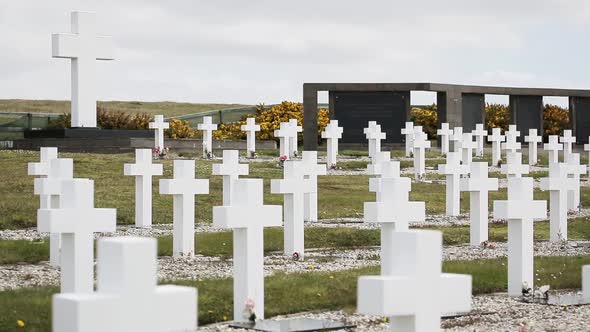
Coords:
587,148
520,209
250,128
533,139
479,133
76,219
293,139
416,293
127,296
374,134
453,171
478,185
444,132
456,139
408,131
393,211
374,168
311,170
384,168
230,169
143,170
184,186
586,282
284,133
420,145
332,133
568,140
574,170
83,47
467,147
496,138
207,127
247,216
511,144
553,147
293,186
159,125
558,185
514,167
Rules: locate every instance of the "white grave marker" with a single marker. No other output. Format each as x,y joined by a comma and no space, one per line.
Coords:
467,147
586,282
247,216
375,167
143,170
444,132
311,170
480,134
77,220
558,185
420,144
496,138
478,185
184,187
207,127
453,171
456,139
374,135
332,133
83,47
284,134
160,126
553,147
511,144
568,140
408,131
574,170
514,167
250,128
520,209
293,139
127,298
230,169
416,293
533,139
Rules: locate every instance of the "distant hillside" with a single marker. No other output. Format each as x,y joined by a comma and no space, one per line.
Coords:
62,106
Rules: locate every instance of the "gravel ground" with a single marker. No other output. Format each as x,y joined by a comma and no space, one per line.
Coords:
490,313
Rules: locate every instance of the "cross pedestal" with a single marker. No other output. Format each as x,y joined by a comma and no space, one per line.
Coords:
480,134
408,132
250,128
444,132
453,171
159,125
332,133
311,170
143,170
207,127
496,138
533,139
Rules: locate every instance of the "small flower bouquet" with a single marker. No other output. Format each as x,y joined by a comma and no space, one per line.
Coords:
282,160
252,154
249,312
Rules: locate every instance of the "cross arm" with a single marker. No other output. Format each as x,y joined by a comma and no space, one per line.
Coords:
386,295
76,219
38,169
520,209
148,170
45,186
247,216
455,292
64,45
379,212
474,184
282,186
184,186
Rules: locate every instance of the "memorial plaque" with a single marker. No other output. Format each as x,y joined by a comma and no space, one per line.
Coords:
527,112
473,110
354,110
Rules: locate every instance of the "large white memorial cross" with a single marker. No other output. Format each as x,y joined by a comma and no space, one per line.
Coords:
247,215
467,147
574,170
453,171
393,211
184,187
520,209
230,169
568,140
207,127
293,138
159,126
511,144
127,298
456,139
143,170
478,185
558,185
408,132
514,168
332,133
284,133
416,293
496,138
250,128
311,170
83,47
77,219
480,134
420,144
374,135
294,186
59,169
533,139
553,147
444,132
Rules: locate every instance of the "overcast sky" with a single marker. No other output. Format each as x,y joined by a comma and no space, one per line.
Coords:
263,51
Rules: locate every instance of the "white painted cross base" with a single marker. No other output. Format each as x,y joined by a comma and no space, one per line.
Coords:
295,129
416,293
480,134
127,298
453,171
159,125
293,186
247,216
207,127
478,185
332,133
250,128
496,138
558,185
444,132
568,140
520,210
420,145
83,47
553,147
143,170
184,187
533,139
408,132
311,170
374,136
283,133
77,250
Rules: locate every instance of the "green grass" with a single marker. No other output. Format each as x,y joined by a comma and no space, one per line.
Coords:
298,292
62,106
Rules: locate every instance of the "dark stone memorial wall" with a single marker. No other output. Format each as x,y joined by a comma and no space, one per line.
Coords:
526,113
580,114
473,108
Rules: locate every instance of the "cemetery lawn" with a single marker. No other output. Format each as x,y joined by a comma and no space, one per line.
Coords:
63,106
300,292
220,243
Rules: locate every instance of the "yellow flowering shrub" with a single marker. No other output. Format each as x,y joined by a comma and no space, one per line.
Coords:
555,119
180,129
427,118
497,116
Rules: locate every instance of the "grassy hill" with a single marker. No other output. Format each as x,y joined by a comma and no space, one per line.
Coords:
166,108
